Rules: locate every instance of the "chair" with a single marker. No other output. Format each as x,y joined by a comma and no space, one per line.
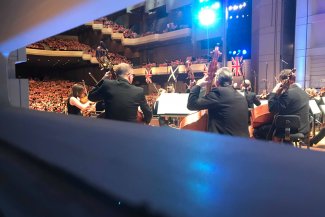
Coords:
290,124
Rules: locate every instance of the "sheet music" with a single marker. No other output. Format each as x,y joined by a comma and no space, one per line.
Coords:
322,107
314,107
173,104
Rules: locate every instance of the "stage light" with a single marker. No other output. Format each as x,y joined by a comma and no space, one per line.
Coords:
230,17
216,6
230,52
244,52
234,52
243,16
240,7
207,16
235,7
230,8
237,16
244,4
239,51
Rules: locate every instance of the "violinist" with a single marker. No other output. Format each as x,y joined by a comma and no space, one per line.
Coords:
287,98
74,104
227,108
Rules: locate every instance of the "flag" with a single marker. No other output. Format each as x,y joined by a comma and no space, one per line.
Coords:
148,75
237,63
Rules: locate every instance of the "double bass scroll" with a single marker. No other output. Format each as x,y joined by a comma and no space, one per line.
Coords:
199,120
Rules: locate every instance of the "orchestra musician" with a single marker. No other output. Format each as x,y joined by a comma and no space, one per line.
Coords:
121,98
74,104
251,98
292,100
227,108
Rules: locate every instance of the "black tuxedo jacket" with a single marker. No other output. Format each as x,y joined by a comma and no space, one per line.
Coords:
295,101
251,99
227,110
121,100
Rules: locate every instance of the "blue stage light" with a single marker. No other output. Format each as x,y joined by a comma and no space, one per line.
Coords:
216,6
234,52
244,52
230,52
207,16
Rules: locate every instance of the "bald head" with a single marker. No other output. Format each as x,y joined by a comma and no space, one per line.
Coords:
123,69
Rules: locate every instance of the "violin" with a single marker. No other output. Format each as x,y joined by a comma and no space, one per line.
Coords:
84,97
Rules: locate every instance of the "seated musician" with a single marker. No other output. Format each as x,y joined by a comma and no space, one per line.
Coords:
121,98
227,108
250,96
74,104
291,101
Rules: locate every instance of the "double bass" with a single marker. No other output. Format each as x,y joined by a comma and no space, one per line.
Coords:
261,114
199,120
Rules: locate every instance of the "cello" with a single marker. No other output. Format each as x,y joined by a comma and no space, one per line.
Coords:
199,120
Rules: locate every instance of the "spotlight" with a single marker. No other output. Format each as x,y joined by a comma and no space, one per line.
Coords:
244,52
243,16
234,52
244,4
230,8
235,7
216,6
237,16
240,7
230,17
207,16
230,52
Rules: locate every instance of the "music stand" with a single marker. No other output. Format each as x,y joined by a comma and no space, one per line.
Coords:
315,111
173,104
322,108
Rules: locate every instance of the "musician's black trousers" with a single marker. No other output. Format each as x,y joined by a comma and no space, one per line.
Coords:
318,137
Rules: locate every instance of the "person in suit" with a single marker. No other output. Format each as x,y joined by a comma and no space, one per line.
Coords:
250,96
227,108
290,101
121,98
316,139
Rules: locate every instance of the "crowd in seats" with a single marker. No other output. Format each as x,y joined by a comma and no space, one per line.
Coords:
128,33
36,45
65,44
60,44
49,96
